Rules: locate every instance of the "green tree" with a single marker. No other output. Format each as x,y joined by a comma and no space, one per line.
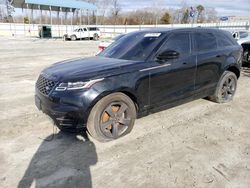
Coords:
166,18
26,20
200,9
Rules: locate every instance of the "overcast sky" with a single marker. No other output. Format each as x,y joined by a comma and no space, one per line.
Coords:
223,7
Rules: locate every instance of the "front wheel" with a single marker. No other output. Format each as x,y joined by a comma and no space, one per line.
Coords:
226,88
112,117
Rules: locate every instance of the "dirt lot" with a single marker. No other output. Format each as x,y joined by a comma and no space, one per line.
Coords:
198,144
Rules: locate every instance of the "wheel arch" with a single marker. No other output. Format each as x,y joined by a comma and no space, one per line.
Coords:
235,70
246,45
73,35
125,91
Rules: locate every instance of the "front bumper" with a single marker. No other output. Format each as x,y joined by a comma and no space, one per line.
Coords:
65,116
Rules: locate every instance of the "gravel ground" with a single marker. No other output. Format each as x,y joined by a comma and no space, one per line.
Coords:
198,144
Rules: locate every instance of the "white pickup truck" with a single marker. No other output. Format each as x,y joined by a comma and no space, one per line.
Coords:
82,33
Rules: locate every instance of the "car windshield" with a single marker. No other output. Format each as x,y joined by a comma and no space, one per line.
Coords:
134,46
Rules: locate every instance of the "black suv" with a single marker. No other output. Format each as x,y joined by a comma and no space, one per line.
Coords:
141,73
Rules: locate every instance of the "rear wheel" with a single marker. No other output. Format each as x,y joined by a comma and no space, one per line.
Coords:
95,37
112,117
73,38
226,88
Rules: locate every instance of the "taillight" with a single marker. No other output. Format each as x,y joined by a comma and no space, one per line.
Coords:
101,48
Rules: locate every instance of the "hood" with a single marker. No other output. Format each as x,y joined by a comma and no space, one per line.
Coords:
88,68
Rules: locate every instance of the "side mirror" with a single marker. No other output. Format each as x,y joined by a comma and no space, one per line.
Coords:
167,55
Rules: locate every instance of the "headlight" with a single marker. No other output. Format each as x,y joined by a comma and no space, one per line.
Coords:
77,85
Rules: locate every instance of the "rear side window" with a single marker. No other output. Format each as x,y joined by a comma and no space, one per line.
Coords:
223,40
205,41
92,29
179,42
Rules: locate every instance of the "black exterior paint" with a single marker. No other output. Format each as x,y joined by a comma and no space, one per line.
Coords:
151,84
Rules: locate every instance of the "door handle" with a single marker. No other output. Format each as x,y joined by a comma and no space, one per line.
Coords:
218,56
185,63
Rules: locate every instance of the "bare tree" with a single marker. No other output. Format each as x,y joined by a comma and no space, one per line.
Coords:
103,6
211,15
157,8
6,11
115,9
200,9
2,10
139,17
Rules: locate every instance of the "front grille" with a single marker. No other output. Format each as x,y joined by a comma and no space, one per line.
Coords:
44,85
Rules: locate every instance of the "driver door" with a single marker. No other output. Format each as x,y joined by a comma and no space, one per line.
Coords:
174,78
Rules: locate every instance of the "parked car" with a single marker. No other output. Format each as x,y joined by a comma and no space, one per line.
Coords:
82,33
143,72
104,44
243,38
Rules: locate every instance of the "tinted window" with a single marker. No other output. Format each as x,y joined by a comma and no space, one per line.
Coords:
205,41
223,40
134,46
178,42
92,29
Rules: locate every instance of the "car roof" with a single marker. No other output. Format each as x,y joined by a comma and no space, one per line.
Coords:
166,30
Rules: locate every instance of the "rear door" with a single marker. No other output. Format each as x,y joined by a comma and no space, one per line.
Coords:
209,61
92,31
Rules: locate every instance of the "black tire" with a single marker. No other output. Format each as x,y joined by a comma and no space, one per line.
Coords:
226,88
65,38
73,38
112,117
247,56
95,37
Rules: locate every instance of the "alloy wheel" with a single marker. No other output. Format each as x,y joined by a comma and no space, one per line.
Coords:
115,120
228,89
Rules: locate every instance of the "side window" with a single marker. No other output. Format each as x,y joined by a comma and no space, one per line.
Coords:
179,42
204,41
80,30
223,40
85,29
92,29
